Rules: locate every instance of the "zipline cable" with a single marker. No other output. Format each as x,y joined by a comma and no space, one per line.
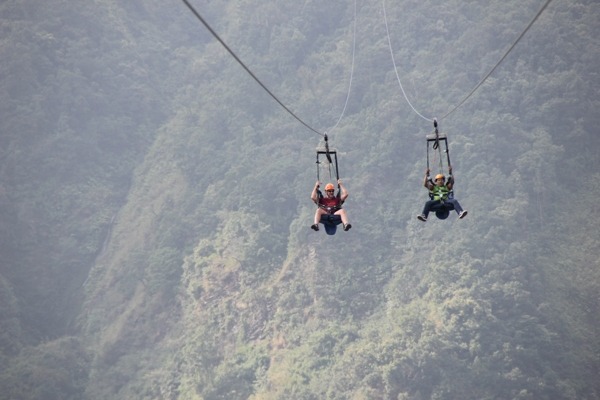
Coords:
500,61
396,69
216,36
351,70
484,78
211,30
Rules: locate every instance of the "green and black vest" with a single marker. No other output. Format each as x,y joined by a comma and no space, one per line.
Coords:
439,192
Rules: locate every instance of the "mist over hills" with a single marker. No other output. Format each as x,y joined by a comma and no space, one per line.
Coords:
155,202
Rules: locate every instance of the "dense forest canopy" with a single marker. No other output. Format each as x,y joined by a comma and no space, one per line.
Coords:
155,201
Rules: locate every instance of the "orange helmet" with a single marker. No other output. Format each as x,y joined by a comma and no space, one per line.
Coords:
440,176
329,186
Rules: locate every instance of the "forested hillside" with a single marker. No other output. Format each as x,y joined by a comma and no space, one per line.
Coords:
155,209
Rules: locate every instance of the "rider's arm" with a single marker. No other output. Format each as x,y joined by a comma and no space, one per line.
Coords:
343,191
450,178
314,196
426,181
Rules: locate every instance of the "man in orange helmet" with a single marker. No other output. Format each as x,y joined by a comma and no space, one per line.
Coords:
330,203
440,193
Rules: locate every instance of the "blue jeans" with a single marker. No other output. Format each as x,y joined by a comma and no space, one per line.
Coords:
435,205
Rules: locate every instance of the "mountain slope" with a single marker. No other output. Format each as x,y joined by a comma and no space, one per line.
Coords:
156,205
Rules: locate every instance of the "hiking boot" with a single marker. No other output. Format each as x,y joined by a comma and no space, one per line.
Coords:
422,217
347,227
314,227
462,214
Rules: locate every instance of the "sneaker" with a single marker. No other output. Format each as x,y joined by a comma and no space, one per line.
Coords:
314,227
422,217
347,227
462,214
